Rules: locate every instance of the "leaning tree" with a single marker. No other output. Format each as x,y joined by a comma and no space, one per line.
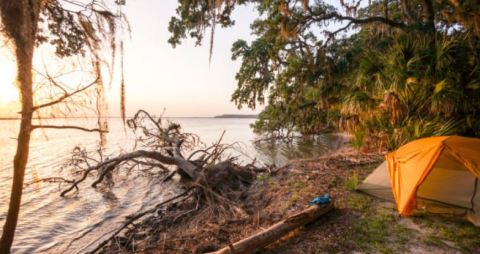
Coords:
69,28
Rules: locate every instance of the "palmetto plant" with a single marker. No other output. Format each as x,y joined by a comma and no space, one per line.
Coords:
394,93
405,69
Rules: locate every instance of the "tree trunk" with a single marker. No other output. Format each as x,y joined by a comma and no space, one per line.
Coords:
22,29
24,62
428,14
256,242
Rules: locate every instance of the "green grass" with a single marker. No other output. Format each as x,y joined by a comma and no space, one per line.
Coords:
351,183
358,202
358,139
263,178
380,232
375,229
433,240
463,234
266,178
299,189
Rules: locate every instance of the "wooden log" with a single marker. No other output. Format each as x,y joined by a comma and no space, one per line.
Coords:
258,241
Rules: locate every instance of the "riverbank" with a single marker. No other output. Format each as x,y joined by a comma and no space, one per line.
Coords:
358,224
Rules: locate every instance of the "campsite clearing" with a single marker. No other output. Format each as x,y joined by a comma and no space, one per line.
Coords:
365,224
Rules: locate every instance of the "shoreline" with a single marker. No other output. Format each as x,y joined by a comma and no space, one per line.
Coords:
128,117
359,223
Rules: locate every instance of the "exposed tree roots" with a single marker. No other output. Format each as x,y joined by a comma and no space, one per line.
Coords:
212,180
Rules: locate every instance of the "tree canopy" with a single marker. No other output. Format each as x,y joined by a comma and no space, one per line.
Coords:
389,70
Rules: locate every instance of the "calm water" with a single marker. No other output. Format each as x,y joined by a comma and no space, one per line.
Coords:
52,224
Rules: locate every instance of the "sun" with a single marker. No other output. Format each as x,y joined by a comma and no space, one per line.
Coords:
9,102
8,93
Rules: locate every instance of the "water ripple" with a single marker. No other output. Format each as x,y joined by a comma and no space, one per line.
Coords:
51,224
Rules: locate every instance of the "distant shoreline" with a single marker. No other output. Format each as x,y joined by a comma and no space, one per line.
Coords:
236,116
115,117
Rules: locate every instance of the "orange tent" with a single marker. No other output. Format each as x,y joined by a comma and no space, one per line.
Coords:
442,170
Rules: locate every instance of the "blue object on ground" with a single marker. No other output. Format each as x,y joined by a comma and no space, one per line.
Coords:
323,200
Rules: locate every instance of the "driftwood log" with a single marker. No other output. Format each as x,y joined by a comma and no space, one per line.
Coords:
258,241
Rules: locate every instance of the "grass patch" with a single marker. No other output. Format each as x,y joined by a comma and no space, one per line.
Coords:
463,234
358,202
270,181
380,232
358,139
297,184
374,228
433,241
298,190
263,178
351,183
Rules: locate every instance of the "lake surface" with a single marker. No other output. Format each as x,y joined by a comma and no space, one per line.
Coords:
51,224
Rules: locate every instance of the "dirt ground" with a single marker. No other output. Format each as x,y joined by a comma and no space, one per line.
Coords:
358,224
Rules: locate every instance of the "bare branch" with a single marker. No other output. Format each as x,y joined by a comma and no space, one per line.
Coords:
68,127
151,164
371,20
108,165
140,215
334,15
66,94
50,180
331,36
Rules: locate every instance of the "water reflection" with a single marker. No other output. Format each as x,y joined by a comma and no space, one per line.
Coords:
279,153
48,223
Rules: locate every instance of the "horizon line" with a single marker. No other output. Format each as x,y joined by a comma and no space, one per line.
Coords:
88,117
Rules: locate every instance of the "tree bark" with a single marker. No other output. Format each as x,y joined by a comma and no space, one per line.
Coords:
256,242
21,155
428,13
22,29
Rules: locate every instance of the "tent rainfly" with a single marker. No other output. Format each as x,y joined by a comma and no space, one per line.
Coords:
436,174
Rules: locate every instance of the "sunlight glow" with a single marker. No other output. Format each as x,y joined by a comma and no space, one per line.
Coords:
9,97
8,93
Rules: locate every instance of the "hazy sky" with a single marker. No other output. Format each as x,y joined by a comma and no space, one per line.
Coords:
158,76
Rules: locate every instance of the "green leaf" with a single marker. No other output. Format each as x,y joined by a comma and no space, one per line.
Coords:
475,85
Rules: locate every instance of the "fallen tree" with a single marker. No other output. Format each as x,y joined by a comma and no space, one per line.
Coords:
212,179
162,144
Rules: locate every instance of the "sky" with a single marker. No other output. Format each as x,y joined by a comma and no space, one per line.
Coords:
159,77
